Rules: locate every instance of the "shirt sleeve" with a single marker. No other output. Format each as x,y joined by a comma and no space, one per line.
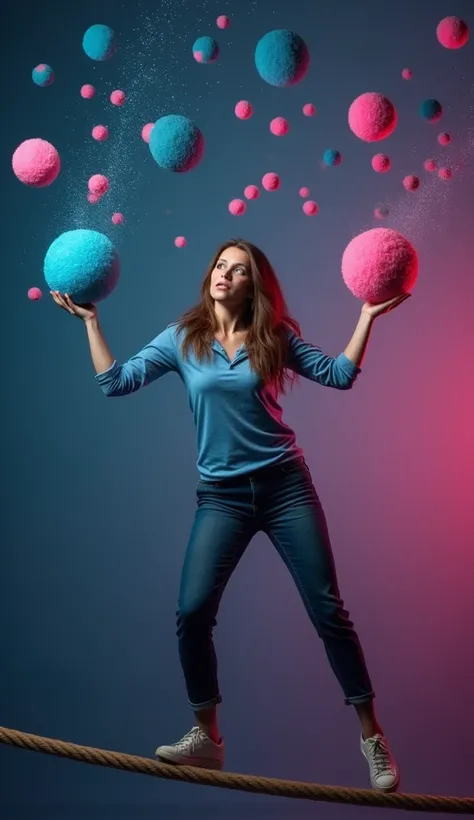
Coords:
309,361
155,360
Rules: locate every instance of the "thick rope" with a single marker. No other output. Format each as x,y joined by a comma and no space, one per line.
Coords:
241,782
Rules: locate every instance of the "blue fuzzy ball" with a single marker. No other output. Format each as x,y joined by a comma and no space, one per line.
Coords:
176,143
282,58
208,49
99,42
42,75
431,110
332,157
84,264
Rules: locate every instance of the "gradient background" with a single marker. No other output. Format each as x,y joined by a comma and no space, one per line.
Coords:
98,496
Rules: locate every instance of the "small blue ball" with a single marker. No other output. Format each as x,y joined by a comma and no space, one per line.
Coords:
84,264
42,75
431,110
208,49
282,58
332,157
176,143
99,42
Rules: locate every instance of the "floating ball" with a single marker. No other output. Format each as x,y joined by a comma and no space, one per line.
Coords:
381,163
118,97
445,173
223,21
99,42
82,263
98,184
251,192
430,165
444,138
332,157
118,218
372,117
34,294
36,163
379,264
407,73
87,91
205,50
279,126
411,182
100,133
146,131
180,242
282,58
309,110
176,143
310,208
237,207
381,211
304,191
93,198
452,32
271,182
42,75
431,110
243,110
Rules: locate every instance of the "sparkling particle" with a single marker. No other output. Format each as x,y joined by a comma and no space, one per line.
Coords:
251,192
310,207
100,132
243,110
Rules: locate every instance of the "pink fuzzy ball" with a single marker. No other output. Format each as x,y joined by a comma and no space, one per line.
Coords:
372,117
93,198
98,184
271,182
379,264
118,218
198,56
411,182
444,138
310,208
117,97
430,165
304,191
100,133
222,21
380,211
452,32
243,110
445,173
180,242
251,192
309,110
87,92
146,131
36,163
279,126
407,73
380,163
34,294
237,207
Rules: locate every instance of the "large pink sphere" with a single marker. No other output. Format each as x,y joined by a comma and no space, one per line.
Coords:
279,126
180,242
36,163
223,21
310,207
379,264
411,182
117,97
87,91
243,110
309,110
271,182
381,163
237,207
251,192
98,184
452,32
146,131
118,218
34,294
100,133
372,117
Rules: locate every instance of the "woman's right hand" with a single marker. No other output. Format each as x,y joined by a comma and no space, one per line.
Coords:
84,312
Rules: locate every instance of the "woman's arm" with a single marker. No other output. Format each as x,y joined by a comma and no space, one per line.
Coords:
357,346
102,358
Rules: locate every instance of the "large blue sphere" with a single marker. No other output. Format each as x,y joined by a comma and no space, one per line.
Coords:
431,110
83,264
99,42
176,143
207,48
282,58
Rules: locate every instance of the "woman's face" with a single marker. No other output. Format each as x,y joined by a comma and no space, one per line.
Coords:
231,279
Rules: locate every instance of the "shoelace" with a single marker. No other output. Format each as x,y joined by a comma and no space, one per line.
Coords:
189,740
380,756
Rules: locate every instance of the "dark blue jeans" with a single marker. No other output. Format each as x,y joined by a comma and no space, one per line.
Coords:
282,502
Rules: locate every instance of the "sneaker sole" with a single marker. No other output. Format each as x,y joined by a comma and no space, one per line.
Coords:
203,763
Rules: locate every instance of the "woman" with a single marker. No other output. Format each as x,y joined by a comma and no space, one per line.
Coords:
234,352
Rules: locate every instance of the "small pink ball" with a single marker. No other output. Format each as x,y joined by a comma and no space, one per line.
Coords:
237,207
372,117
243,110
223,21
407,73
310,208
180,242
93,198
411,182
445,173
34,294
381,211
380,163
87,91
117,97
430,165
379,264
118,218
304,191
251,192
279,126
146,131
452,32
98,184
100,133
444,138
271,182
309,110
36,163
198,56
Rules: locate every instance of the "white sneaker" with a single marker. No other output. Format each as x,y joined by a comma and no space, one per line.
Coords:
194,749
384,774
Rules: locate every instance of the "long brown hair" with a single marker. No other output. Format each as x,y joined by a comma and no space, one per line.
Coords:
267,319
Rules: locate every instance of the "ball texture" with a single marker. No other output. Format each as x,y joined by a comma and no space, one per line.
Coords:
118,97
310,208
34,294
180,242
379,264
411,182
251,192
205,50
237,207
279,126
36,163
372,117
176,143
452,32
243,110
100,133
42,75
431,110
223,21
271,181
332,157
99,42
118,218
83,263
98,184
146,131
381,163
309,110
87,91
282,58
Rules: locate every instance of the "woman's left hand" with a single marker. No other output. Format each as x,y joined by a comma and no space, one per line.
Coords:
372,310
